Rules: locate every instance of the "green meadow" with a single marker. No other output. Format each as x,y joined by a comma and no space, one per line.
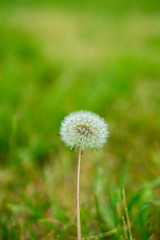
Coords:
57,57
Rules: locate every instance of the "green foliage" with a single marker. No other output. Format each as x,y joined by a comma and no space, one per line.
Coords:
101,56
119,7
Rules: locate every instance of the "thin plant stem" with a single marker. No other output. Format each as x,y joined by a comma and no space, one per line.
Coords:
124,228
127,215
78,197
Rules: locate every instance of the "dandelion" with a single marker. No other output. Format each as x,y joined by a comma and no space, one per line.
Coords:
83,130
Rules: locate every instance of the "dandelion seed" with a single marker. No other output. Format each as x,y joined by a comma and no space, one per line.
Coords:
83,130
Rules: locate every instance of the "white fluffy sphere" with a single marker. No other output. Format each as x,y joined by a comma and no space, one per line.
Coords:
84,129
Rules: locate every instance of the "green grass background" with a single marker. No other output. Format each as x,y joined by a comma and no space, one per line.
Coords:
57,57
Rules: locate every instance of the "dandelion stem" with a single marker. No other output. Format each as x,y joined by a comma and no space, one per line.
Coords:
78,197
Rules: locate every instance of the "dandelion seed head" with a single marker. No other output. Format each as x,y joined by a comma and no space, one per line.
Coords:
84,129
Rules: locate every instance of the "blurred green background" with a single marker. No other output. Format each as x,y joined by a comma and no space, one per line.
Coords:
57,57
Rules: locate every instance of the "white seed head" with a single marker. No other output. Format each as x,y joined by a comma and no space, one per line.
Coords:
84,129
